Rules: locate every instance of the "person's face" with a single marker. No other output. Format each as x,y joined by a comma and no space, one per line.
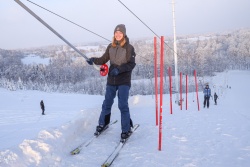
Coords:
118,35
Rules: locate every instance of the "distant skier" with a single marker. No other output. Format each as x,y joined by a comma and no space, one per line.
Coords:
215,98
207,94
42,107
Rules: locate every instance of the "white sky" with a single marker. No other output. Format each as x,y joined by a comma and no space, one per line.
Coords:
21,30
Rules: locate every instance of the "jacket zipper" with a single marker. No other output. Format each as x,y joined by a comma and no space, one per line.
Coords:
115,58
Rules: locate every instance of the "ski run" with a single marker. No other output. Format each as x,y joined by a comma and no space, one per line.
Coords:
214,137
116,151
118,148
86,143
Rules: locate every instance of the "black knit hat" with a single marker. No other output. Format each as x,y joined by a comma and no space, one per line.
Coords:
122,28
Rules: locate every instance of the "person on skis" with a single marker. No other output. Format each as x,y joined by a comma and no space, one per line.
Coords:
42,107
215,98
207,94
121,55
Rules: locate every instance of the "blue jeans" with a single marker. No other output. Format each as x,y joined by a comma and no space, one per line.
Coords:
123,93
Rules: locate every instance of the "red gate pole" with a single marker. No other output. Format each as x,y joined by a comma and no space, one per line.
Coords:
156,83
181,90
170,85
186,92
161,91
196,85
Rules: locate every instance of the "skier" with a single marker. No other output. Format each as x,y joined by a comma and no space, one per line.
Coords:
215,98
121,55
42,107
207,94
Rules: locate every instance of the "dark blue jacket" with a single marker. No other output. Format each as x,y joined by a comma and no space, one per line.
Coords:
207,92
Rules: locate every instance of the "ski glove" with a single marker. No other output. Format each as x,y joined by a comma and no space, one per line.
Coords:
90,61
114,72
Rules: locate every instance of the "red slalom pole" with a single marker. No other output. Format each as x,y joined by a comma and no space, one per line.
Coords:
161,91
186,92
196,85
170,85
156,83
181,90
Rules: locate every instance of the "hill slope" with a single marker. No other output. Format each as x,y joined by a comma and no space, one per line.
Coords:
218,136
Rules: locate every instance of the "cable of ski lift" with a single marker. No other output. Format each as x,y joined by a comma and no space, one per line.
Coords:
76,24
103,70
69,21
146,26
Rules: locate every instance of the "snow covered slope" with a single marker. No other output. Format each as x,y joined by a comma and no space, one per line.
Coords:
218,136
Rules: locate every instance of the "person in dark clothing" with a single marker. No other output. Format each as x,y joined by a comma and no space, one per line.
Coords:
121,55
215,98
207,94
42,107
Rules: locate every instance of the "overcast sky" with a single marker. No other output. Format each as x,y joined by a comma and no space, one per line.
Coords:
18,29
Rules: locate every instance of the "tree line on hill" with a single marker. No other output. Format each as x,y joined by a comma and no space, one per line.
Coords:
67,72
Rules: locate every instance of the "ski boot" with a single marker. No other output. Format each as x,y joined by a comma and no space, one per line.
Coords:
125,136
99,129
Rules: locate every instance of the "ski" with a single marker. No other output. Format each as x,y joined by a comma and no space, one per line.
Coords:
118,148
86,143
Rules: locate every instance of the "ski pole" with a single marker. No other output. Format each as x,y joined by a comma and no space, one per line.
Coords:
51,29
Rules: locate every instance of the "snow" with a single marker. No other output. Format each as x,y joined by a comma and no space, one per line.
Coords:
218,136
87,47
34,59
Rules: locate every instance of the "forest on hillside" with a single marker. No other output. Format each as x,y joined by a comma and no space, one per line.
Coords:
68,72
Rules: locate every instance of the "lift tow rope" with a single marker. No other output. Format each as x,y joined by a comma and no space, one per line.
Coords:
56,33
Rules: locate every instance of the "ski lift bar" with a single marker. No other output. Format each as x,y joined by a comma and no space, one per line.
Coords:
51,29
